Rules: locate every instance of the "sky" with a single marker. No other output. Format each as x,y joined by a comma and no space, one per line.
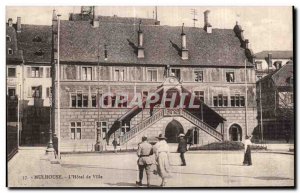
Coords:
267,28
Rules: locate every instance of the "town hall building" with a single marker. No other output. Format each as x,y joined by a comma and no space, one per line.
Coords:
101,54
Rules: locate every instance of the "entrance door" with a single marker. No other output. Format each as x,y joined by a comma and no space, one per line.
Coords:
172,131
235,132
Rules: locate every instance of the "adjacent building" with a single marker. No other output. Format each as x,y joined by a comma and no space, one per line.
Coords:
99,55
269,61
275,98
29,78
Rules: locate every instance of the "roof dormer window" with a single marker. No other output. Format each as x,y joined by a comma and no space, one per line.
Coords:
10,51
39,52
8,38
37,39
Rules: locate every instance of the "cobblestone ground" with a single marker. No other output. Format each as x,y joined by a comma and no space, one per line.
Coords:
205,169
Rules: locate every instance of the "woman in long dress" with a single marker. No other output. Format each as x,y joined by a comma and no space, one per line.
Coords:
247,150
161,151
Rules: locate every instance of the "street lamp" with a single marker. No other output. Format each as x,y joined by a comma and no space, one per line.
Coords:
98,145
50,149
58,88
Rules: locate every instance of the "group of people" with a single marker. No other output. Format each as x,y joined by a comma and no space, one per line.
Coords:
156,159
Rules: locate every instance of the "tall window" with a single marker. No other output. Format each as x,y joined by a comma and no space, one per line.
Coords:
49,92
198,75
229,76
125,128
152,75
85,99
75,130
103,126
94,100
220,101
119,75
258,65
36,72
176,72
36,91
237,101
48,72
11,92
86,73
11,72
199,95
79,100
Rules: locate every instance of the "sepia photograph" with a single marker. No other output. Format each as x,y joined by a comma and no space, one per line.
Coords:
150,97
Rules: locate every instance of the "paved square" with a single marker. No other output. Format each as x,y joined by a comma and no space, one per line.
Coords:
204,169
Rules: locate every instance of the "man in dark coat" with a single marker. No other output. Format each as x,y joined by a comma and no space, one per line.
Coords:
144,152
182,148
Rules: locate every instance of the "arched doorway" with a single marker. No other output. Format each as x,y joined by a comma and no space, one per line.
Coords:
172,131
235,133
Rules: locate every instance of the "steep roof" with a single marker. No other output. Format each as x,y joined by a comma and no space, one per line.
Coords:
79,42
36,43
276,54
281,76
16,56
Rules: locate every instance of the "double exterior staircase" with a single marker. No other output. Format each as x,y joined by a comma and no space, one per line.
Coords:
159,114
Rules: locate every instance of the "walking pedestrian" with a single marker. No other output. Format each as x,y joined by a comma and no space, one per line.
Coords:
115,143
145,160
247,151
182,148
162,155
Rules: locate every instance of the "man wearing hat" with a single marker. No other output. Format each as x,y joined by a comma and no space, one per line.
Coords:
182,148
145,160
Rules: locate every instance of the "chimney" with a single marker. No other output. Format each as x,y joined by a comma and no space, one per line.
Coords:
207,25
95,21
270,60
156,20
54,15
246,44
18,24
184,51
10,22
141,53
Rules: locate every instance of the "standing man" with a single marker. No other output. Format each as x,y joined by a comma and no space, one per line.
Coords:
145,160
182,148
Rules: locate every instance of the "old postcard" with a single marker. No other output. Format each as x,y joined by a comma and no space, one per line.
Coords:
149,97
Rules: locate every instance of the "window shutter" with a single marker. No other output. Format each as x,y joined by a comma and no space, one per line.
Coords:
47,92
28,72
41,72
41,91
47,72
29,94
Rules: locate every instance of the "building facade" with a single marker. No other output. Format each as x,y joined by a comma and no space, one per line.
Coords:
268,61
29,78
99,55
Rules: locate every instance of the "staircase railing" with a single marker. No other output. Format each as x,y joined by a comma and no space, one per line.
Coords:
166,113
202,125
142,125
